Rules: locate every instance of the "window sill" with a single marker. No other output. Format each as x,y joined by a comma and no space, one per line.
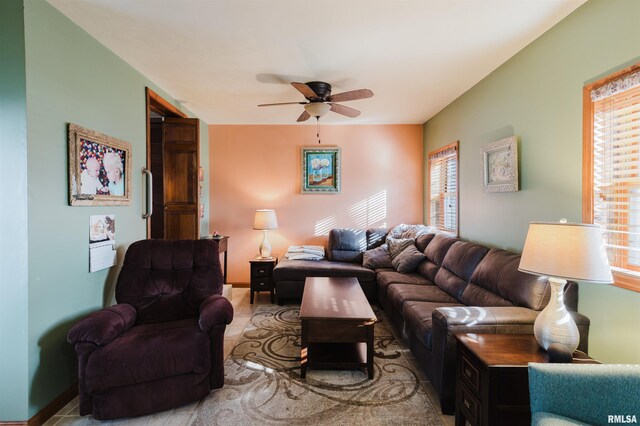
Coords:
625,281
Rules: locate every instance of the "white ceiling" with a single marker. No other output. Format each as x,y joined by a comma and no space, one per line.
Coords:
222,58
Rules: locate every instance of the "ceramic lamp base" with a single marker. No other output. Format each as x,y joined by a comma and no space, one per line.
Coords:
265,246
554,324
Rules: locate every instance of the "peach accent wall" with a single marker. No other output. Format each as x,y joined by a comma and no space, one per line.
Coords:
259,167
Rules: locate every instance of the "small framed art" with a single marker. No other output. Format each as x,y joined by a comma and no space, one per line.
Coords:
99,169
500,166
320,169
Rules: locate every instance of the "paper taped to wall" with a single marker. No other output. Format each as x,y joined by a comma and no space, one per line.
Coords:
102,242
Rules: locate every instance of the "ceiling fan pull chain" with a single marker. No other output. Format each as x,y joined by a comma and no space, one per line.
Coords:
318,129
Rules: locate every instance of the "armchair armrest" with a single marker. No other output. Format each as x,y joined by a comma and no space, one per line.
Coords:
587,393
215,310
103,326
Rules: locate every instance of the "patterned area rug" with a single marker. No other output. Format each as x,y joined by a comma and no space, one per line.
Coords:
263,384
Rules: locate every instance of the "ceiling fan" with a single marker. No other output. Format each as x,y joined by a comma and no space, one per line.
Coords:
320,101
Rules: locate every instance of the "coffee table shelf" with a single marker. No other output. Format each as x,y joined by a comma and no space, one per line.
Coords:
337,356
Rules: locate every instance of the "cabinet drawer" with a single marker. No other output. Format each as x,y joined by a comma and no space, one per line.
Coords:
261,284
261,270
470,406
469,373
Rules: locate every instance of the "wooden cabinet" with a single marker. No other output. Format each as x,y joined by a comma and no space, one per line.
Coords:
492,381
262,275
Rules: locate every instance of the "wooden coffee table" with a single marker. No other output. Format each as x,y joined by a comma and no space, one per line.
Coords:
337,325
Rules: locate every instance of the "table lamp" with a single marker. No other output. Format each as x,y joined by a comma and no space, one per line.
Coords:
563,251
264,220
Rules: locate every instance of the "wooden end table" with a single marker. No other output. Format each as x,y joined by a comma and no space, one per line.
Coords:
262,275
337,325
223,242
492,380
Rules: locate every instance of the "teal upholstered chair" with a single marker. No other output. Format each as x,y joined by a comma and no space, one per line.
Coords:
587,394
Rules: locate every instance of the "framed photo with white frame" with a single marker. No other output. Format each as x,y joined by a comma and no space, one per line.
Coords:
99,169
500,166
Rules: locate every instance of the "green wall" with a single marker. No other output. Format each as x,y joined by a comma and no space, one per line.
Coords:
69,77
537,96
13,214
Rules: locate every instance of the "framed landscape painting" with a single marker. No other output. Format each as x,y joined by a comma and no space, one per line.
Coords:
99,169
500,166
320,169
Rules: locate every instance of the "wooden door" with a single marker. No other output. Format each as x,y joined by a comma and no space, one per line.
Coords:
155,165
180,177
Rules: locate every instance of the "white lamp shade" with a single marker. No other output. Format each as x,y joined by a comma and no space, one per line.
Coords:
265,219
571,251
317,109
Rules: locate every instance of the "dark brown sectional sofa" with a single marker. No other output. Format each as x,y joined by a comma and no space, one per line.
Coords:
458,287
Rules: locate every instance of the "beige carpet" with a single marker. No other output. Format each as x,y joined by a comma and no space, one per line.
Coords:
263,384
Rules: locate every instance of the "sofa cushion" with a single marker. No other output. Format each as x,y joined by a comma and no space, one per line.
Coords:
396,246
185,349
375,237
398,294
496,281
346,245
387,277
458,265
438,247
423,240
298,270
417,317
428,269
408,260
377,258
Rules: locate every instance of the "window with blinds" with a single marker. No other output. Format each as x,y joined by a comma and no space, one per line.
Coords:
613,109
443,188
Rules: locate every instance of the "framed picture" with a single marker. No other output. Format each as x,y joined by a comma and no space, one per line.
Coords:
320,169
500,166
99,169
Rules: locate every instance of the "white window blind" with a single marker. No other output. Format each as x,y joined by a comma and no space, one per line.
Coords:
616,170
443,188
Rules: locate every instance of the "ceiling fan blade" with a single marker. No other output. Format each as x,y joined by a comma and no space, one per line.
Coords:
352,95
345,110
303,117
305,90
284,103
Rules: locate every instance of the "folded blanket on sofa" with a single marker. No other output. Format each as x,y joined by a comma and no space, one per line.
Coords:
305,252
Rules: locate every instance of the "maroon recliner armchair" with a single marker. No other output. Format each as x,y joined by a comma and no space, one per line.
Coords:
161,345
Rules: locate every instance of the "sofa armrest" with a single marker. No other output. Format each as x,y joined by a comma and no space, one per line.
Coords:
215,310
497,320
510,319
460,319
103,326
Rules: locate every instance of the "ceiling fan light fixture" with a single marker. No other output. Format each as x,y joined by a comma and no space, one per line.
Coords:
317,109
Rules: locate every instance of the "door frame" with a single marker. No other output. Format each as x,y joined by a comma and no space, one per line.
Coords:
161,106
